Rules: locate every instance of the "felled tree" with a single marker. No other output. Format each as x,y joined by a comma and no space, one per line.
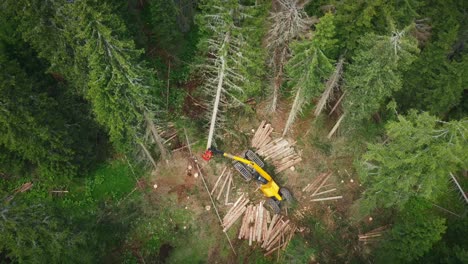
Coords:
417,159
375,72
288,21
224,44
309,67
413,234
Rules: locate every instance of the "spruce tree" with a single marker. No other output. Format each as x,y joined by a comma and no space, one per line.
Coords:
375,72
416,160
309,66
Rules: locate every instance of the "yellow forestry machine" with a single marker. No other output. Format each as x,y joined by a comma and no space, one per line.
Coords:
250,166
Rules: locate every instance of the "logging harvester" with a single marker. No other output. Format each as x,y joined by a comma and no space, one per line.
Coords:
250,166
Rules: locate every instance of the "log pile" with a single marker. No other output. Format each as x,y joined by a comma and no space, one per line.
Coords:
236,211
279,152
224,180
373,235
272,233
319,187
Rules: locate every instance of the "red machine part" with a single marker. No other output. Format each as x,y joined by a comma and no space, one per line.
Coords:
207,155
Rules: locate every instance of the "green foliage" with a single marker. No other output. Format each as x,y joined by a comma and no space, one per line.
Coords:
309,66
164,22
413,234
356,19
416,161
32,232
119,85
436,81
298,251
254,30
375,72
45,125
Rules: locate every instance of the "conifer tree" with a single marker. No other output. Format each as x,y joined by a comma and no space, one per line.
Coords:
309,66
107,68
375,72
416,160
30,124
221,70
33,233
413,234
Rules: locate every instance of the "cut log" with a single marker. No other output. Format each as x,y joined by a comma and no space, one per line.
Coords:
327,198
324,192
288,165
257,133
234,219
264,133
228,189
217,181
222,187
337,103
323,183
336,126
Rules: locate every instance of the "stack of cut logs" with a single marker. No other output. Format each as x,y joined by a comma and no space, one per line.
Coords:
235,212
278,151
226,180
318,184
272,233
373,235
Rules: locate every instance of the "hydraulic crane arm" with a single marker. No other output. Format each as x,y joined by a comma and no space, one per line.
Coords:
270,188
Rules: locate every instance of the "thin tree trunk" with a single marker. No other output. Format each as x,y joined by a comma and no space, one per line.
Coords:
157,138
298,100
148,154
459,187
335,127
218,94
331,84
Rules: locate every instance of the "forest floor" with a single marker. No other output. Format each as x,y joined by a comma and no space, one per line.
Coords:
174,178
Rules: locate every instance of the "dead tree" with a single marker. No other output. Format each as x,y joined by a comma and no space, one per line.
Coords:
221,69
287,22
331,85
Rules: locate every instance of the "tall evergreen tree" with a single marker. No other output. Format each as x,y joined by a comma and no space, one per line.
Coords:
413,234
375,72
309,66
436,81
34,233
419,154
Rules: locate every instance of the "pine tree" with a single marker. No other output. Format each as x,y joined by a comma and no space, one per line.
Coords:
33,233
30,124
309,66
107,68
416,160
375,72
413,234
436,81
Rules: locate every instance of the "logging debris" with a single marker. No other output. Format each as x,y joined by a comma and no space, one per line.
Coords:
317,187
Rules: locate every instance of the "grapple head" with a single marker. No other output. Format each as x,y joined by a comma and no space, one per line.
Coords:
207,155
